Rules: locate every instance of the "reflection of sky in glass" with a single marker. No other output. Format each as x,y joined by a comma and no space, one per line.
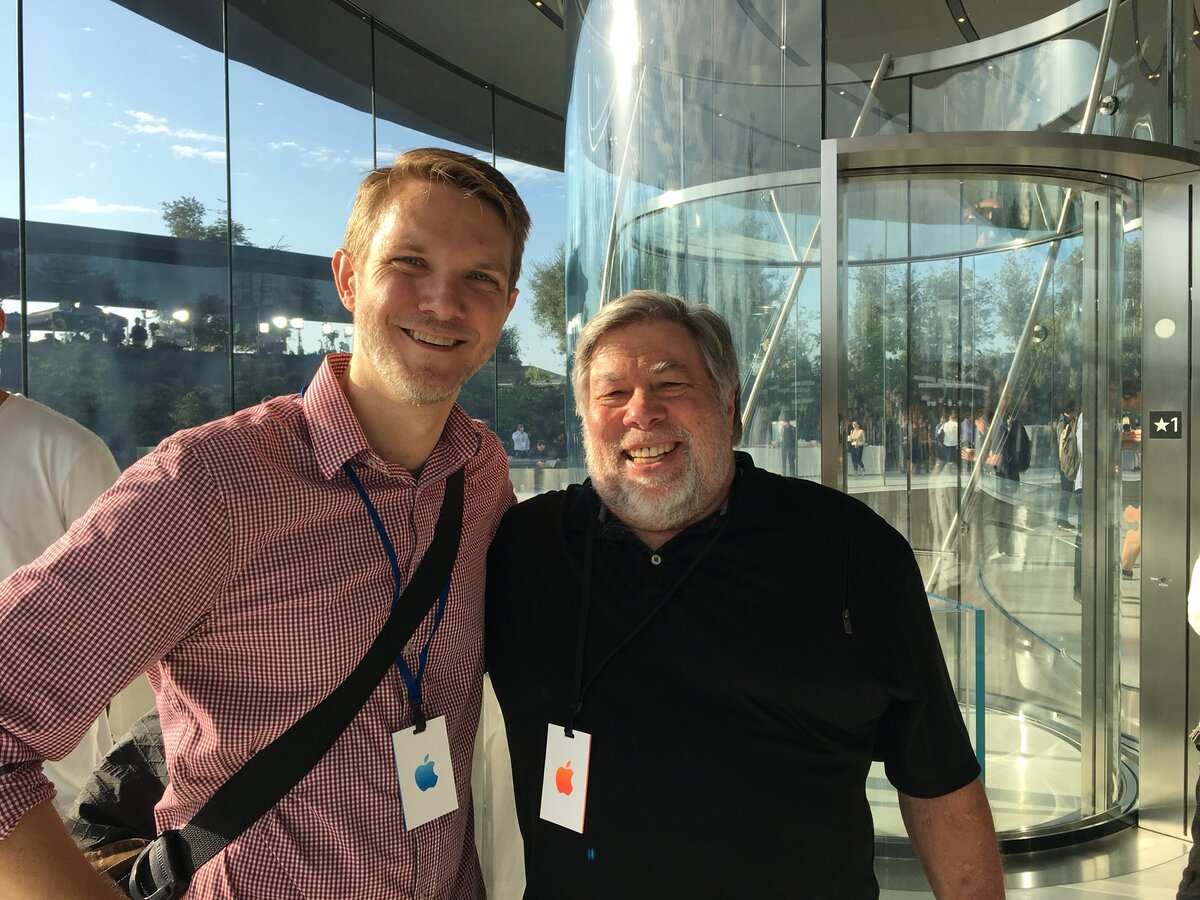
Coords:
8,111
122,115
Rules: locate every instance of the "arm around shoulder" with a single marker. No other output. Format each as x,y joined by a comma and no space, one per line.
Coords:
955,840
38,859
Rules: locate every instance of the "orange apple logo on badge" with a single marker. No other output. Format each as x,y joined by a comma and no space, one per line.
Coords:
562,779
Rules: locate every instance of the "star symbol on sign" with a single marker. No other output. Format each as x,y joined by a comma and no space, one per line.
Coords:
1161,425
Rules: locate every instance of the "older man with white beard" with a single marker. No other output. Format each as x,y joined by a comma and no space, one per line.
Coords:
698,660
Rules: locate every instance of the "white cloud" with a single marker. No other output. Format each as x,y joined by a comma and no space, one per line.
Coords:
141,128
313,156
188,134
86,95
30,117
520,173
65,96
91,142
91,205
140,116
92,165
183,151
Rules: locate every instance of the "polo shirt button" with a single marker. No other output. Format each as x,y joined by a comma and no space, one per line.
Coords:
655,559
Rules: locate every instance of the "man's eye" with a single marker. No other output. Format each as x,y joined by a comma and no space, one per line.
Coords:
410,260
483,276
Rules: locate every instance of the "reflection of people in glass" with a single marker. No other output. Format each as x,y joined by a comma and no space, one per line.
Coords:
787,442
541,457
1069,462
1009,458
1131,491
857,439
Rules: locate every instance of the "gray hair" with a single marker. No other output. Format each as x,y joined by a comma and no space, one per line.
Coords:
704,324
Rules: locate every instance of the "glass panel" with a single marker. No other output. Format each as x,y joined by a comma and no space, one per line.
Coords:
297,158
11,350
1045,87
112,150
966,362
531,379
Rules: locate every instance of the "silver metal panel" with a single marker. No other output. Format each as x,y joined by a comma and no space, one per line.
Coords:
833,322
1165,774
1069,153
1100,684
997,45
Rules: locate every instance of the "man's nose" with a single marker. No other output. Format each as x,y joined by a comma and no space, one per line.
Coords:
442,297
643,410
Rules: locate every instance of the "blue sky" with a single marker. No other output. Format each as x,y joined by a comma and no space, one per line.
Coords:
122,115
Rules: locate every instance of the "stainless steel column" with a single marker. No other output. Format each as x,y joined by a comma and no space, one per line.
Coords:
1166,767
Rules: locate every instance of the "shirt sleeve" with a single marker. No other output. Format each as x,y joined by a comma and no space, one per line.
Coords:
1193,605
922,738
126,583
91,473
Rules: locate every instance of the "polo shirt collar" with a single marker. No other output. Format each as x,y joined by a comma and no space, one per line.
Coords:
337,437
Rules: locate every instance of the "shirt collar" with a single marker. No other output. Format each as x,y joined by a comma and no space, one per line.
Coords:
337,437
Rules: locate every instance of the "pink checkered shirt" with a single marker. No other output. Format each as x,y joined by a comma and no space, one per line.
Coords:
239,568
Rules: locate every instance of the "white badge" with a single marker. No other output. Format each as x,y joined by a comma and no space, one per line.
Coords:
564,783
426,773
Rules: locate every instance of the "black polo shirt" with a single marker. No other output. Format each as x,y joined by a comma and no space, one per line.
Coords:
732,736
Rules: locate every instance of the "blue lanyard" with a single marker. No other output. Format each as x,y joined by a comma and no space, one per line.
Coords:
413,683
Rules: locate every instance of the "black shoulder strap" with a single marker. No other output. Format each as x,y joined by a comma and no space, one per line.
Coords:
166,866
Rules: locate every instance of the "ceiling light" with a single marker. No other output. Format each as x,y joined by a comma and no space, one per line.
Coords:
961,19
783,46
841,93
720,115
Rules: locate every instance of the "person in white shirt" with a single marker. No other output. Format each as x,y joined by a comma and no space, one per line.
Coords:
520,439
51,469
1189,884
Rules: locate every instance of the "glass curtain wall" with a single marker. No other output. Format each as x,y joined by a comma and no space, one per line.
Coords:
694,151
188,172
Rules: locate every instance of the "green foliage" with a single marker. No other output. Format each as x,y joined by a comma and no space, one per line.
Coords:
548,285
184,218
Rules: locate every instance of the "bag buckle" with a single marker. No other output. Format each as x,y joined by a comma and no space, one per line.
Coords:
157,870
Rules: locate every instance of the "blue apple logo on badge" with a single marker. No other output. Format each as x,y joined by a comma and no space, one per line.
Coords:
426,777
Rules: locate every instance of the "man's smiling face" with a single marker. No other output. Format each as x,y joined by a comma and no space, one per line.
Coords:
432,295
658,441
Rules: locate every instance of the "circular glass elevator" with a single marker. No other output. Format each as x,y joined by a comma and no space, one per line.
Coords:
942,291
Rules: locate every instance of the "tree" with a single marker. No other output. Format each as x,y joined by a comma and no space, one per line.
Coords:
548,284
184,218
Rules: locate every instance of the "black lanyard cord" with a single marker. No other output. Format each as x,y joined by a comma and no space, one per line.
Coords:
585,602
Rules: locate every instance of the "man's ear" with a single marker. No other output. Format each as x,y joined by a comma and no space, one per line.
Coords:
512,301
344,277
730,407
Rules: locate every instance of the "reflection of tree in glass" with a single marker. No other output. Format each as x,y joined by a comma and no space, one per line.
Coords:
184,218
66,279
547,284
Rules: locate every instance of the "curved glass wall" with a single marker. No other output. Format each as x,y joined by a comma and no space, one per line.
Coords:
180,175
696,166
